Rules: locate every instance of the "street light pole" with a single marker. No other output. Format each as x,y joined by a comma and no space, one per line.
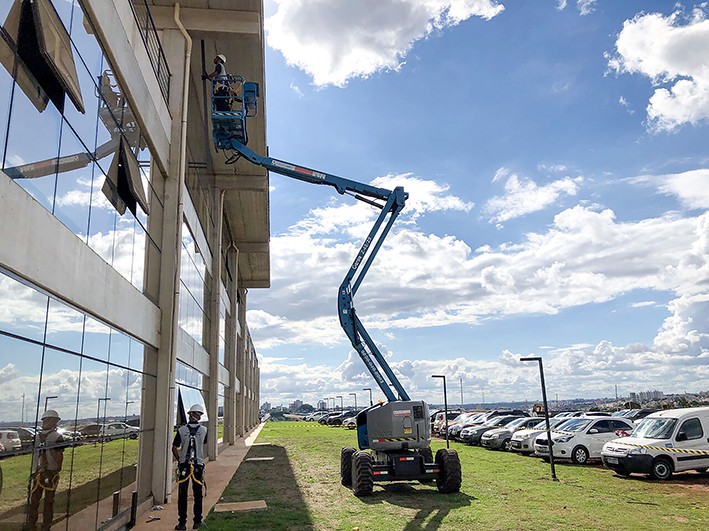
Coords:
370,395
355,397
461,394
445,403
546,412
98,409
47,399
342,405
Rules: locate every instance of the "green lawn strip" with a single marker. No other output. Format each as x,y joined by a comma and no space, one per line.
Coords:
500,491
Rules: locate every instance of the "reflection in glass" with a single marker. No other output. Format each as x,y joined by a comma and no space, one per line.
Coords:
65,326
24,309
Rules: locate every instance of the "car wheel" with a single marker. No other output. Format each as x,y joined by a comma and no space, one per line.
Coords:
346,466
507,445
579,455
450,476
362,477
661,468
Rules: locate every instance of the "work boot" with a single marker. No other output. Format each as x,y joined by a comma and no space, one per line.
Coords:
197,525
180,526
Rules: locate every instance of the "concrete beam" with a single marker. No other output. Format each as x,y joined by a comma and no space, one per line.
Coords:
252,247
208,20
241,183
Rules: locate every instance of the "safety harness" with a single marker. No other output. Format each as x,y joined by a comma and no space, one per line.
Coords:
191,458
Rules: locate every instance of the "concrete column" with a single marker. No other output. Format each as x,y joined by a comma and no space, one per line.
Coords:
170,230
230,423
212,333
241,365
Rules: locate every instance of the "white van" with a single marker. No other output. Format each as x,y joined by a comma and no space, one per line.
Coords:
664,442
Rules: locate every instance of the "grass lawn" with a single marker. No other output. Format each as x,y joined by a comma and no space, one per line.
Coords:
500,491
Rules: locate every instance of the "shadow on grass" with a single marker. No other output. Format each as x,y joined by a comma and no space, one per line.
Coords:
272,481
432,506
81,497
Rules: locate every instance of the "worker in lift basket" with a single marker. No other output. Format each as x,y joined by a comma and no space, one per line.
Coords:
220,79
47,461
188,449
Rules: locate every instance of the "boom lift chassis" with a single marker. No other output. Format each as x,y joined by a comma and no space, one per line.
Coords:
396,432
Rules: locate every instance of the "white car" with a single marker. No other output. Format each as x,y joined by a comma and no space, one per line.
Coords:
662,443
500,438
523,440
10,440
582,438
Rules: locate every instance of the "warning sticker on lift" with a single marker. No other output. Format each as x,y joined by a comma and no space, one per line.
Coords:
408,431
401,413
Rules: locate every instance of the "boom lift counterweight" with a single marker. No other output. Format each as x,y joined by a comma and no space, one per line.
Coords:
398,431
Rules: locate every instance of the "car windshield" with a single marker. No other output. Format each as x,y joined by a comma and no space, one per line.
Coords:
655,428
575,424
516,422
491,421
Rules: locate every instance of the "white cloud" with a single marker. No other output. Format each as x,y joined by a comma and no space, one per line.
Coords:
672,54
337,41
586,7
523,196
691,188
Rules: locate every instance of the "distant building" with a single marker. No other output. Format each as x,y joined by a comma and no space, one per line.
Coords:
295,405
266,406
321,405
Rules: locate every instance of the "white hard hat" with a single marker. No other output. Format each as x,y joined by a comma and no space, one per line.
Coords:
222,57
196,408
50,414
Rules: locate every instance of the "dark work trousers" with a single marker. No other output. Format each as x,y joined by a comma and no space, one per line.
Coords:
49,479
197,479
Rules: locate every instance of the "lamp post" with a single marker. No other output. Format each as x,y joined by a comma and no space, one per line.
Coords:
355,397
546,412
98,409
128,402
370,395
327,402
445,403
342,405
47,399
461,394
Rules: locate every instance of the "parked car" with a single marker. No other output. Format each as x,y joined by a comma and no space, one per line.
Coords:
523,440
112,430
500,438
473,434
463,421
26,436
582,438
315,416
439,422
636,415
350,422
649,450
336,420
10,440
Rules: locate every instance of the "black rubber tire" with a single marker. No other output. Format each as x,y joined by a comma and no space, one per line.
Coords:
362,477
579,455
506,445
450,476
427,454
661,468
346,466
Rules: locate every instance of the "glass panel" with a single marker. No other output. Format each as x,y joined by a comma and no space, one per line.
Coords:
20,364
65,326
59,391
88,455
135,355
220,414
120,349
23,311
97,339
27,158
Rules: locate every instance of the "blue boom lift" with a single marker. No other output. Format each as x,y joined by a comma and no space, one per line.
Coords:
393,437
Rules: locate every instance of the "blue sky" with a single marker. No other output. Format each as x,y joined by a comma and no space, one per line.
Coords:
555,155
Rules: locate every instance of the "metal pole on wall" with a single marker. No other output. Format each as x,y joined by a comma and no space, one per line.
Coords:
546,413
445,403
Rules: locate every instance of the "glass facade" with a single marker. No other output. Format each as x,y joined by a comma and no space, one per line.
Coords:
54,357
193,287
70,139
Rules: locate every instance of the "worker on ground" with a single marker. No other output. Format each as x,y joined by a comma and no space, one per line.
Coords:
47,461
188,449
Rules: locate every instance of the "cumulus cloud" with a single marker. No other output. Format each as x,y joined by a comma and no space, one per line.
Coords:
691,188
337,41
671,51
523,196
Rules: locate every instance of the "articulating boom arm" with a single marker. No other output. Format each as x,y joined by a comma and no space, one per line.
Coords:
393,202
